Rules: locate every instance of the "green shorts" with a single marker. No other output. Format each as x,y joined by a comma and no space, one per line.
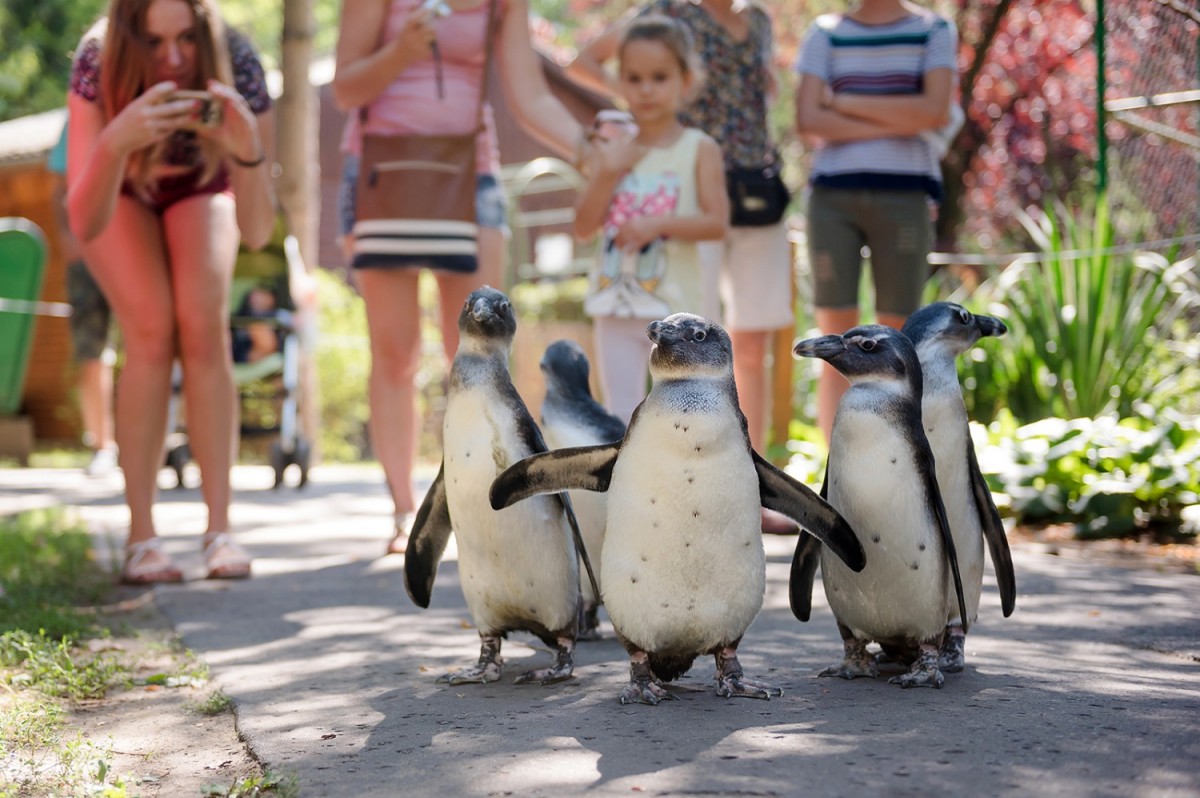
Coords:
90,314
897,227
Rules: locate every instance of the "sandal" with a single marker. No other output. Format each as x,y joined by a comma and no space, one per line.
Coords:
142,568
399,542
224,558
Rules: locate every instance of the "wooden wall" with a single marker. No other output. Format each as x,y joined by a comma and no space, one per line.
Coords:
49,396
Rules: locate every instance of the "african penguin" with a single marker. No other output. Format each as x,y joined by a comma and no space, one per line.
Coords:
941,332
683,566
518,567
572,417
881,477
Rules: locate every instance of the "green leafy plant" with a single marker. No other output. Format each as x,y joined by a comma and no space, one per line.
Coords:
1091,332
1110,478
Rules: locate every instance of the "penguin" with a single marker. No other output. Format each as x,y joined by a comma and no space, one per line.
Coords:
881,477
572,417
683,566
941,332
518,567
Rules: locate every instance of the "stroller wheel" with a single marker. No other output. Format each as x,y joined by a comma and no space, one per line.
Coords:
278,462
301,458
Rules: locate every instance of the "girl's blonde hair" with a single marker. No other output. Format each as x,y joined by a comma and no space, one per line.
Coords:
127,70
673,35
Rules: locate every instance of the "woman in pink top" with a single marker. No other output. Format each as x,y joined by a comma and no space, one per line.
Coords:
386,64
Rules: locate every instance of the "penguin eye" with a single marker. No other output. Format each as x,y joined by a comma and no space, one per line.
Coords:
699,335
503,308
964,316
867,344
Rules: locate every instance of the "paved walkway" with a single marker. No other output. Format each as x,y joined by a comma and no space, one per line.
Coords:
1092,688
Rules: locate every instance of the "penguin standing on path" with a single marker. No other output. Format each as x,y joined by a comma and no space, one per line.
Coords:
572,417
683,566
941,332
518,567
881,477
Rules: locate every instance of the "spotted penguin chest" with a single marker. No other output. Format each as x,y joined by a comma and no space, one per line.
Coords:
517,565
683,566
875,483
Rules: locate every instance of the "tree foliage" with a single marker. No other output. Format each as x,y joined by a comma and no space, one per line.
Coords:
37,41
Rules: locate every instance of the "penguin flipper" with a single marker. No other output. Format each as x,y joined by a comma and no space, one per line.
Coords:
804,565
933,496
993,533
804,572
783,494
576,468
427,542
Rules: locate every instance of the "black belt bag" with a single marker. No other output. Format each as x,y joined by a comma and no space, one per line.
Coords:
757,195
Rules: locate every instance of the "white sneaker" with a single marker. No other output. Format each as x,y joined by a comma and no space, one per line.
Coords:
104,461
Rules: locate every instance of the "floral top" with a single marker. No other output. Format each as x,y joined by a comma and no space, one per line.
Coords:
248,78
732,104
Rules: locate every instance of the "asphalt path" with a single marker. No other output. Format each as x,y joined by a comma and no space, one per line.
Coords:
1091,688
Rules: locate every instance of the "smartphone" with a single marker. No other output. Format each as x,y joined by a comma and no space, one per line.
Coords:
438,7
209,111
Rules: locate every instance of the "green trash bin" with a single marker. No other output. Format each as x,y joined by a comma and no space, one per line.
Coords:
22,269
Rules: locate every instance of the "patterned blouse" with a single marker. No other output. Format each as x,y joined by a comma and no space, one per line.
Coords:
732,104
248,78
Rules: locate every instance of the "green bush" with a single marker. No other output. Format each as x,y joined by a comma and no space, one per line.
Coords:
343,363
1110,478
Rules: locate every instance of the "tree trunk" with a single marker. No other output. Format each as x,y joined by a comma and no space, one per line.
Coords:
298,184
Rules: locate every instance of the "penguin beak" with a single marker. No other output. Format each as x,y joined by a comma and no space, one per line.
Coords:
481,309
989,325
825,347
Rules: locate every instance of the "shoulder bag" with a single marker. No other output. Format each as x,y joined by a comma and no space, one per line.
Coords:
416,195
757,195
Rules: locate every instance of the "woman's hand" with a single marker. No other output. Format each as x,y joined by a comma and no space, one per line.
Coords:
147,120
418,33
238,131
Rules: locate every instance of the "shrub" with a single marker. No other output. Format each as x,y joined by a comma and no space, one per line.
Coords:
1090,334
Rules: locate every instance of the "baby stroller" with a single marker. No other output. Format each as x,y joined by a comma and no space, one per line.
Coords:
269,328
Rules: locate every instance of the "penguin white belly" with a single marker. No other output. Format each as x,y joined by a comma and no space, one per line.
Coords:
875,484
588,504
517,565
945,420
683,563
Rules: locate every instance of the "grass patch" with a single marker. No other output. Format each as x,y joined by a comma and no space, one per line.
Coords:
268,784
216,704
50,584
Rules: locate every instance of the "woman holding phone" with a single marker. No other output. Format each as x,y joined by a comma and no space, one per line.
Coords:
162,186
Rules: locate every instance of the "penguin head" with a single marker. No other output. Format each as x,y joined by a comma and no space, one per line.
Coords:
487,315
689,345
870,353
566,369
949,328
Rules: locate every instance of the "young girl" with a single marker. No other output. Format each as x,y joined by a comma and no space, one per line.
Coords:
653,196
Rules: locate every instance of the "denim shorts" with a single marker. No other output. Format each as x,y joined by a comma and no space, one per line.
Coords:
491,208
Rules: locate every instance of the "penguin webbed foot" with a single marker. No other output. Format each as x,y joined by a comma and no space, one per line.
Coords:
856,661
924,671
644,687
563,667
476,674
952,657
732,682
487,669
